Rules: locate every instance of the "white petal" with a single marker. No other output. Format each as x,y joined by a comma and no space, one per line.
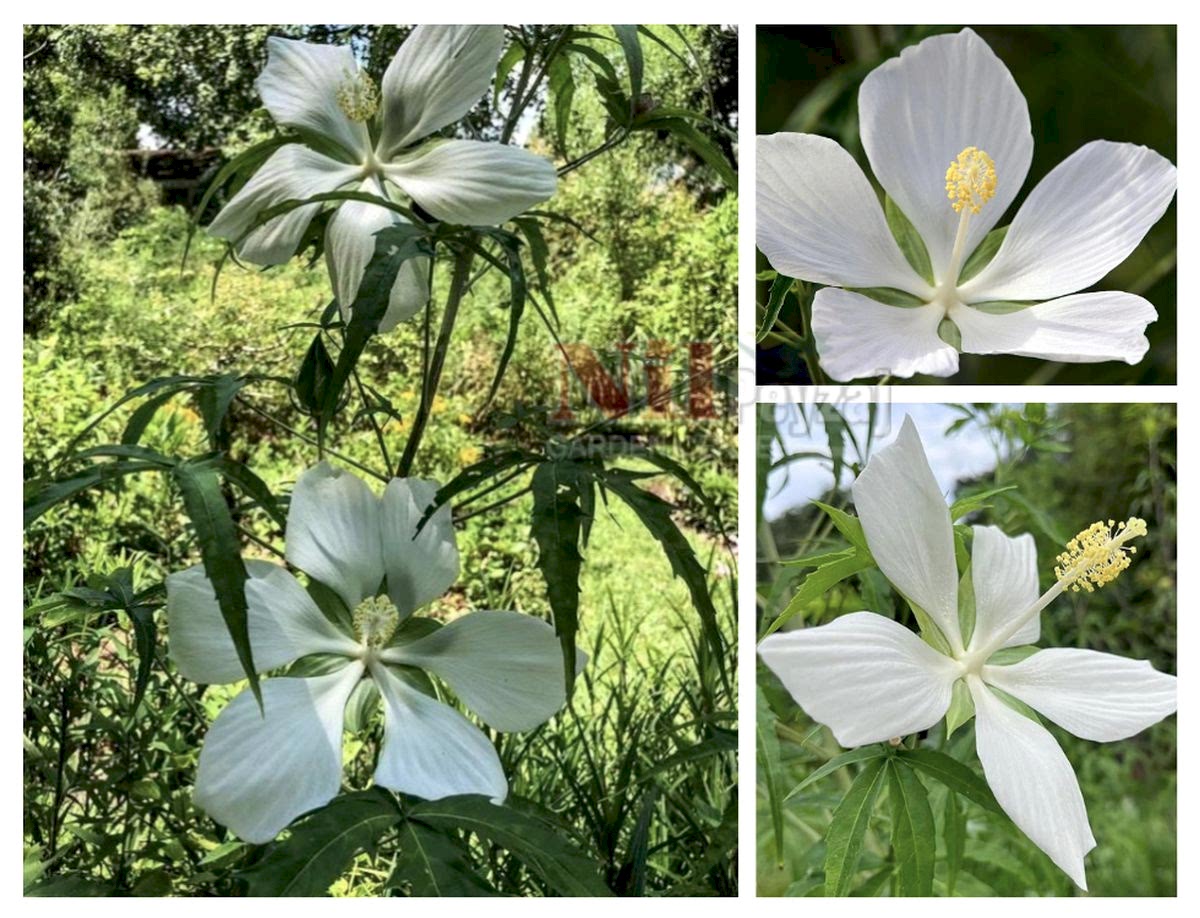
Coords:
429,749
1004,571
420,569
1081,328
299,88
864,676
333,532
1097,696
1080,222
1033,781
436,77
504,666
284,622
908,529
258,772
819,219
859,337
293,172
349,245
917,112
472,182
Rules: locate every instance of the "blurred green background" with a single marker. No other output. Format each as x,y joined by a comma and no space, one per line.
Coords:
1072,464
1082,83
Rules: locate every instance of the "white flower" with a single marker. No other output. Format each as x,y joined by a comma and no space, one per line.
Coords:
259,771
946,130
373,136
870,679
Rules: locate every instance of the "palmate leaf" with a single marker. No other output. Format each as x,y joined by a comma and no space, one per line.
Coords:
490,467
545,850
41,495
510,245
844,840
953,774
431,863
200,486
322,845
840,565
556,528
850,757
627,35
655,515
913,839
394,245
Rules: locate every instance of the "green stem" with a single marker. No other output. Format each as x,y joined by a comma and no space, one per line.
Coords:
429,386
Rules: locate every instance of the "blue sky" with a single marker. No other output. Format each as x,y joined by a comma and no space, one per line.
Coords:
964,454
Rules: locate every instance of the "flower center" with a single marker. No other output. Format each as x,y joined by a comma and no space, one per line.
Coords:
358,97
971,180
1097,555
375,621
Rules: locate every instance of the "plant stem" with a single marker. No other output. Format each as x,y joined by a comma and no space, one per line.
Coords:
429,386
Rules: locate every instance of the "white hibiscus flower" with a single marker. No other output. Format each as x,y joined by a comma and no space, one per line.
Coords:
260,770
869,679
378,136
946,130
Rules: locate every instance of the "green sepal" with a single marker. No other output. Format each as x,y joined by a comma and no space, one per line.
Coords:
909,240
962,707
931,634
362,705
983,254
949,333
966,605
1007,656
1003,307
890,296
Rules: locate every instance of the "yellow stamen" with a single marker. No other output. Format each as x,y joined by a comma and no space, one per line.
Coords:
1097,555
358,97
375,621
971,180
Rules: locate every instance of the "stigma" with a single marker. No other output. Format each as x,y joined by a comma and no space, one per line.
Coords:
375,621
1098,554
358,97
971,180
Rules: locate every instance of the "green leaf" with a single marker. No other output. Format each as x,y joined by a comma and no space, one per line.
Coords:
562,92
136,426
221,553
322,845
539,254
909,240
512,56
828,575
849,526
627,35
655,515
890,296
770,767
779,288
954,833
953,774
1001,879
555,527
252,486
213,398
473,476
433,864
144,635
861,754
698,143
42,495
983,254
844,840
913,838
69,886
394,245
720,743
313,376
546,851
965,506
510,244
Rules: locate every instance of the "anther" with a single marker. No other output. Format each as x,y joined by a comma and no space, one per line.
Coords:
375,621
358,97
971,180
1098,554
